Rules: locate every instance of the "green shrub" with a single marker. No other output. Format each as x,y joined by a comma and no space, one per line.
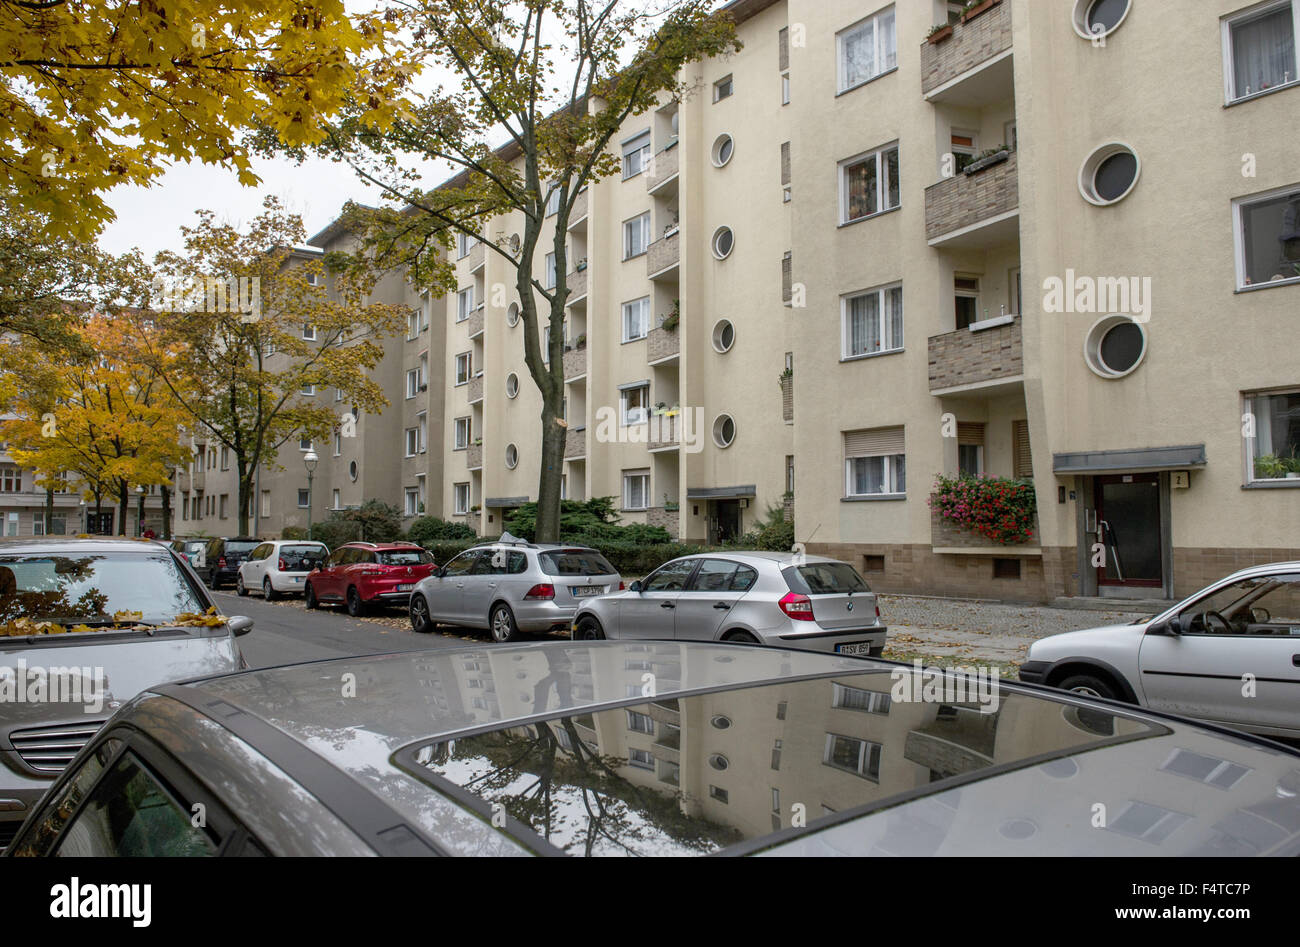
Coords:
293,532
589,522
374,521
443,551
431,529
640,559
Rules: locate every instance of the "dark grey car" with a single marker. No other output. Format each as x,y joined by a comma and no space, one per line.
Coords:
663,748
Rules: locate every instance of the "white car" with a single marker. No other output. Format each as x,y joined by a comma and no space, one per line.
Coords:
280,566
1230,654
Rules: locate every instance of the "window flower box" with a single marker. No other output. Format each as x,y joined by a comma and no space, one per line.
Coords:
976,7
988,160
939,33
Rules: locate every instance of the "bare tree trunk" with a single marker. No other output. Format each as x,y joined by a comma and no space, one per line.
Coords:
49,510
123,508
552,465
245,489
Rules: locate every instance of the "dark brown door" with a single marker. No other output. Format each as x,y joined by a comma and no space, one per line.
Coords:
1128,527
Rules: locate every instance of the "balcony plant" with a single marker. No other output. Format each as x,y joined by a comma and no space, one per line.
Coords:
671,228
581,342
475,509
580,265
784,376
938,33
670,322
998,508
478,442
671,506
975,7
987,159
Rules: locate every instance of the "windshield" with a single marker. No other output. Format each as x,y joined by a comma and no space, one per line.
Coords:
824,578
306,556
237,546
405,557
575,562
93,587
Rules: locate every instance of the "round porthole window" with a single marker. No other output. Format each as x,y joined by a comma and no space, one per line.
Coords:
724,241
512,315
352,471
515,244
723,149
512,456
720,722
1097,18
1115,346
719,762
724,336
1110,174
724,430
512,385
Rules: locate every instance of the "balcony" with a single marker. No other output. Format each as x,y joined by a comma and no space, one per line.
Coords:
948,538
976,209
665,432
661,177
663,256
663,345
474,456
787,398
474,321
577,281
477,257
983,358
972,67
475,393
578,216
575,363
575,443
663,518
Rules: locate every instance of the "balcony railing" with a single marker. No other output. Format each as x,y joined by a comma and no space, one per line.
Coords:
575,443
965,200
663,168
663,518
974,42
477,256
577,281
663,256
665,432
663,344
475,393
967,358
579,212
787,398
575,363
474,456
474,324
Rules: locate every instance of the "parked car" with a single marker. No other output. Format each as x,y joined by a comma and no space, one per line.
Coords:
280,566
359,575
560,741
1230,654
769,598
191,550
221,559
100,661
512,587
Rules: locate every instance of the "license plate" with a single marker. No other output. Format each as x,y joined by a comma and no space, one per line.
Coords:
586,591
297,578
854,647
405,586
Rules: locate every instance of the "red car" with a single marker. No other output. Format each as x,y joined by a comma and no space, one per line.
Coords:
361,574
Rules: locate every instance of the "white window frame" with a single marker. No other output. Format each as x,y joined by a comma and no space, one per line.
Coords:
460,499
630,226
411,441
785,88
301,442
1239,205
629,477
304,498
643,304
411,500
842,84
553,199
464,303
889,344
338,445
412,383
550,276
636,151
729,83
308,332
464,244
878,155
1250,406
308,390
463,428
624,418
336,499
413,324
462,378
890,472
1229,66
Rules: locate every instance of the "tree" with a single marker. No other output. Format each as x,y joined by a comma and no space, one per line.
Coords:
96,93
232,349
620,62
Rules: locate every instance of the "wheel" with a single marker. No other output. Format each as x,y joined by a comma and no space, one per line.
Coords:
502,624
355,606
589,630
740,637
268,590
420,620
1090,685
309,597
239,585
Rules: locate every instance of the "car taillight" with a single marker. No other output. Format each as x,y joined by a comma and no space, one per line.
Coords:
221,563
622,586
877,613
542,590
281,566
798,607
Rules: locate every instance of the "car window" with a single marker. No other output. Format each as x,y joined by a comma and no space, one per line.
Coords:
580,562
37,841
715,575
517,564
824,578
93,586
489,562
1261,606
302,557
131,813
404,557
236,547
463,563
670,578
744,579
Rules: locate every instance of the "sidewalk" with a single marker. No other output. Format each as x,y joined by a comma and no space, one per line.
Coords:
961,631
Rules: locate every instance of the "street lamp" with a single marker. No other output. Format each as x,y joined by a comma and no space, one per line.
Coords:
139,516
309,461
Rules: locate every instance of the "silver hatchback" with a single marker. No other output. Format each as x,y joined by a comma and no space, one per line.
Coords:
511,588
769,598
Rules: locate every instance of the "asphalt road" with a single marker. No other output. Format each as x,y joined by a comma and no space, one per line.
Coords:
286,633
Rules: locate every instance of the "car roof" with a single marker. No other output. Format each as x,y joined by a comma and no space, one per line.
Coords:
53,544
761,555
359,544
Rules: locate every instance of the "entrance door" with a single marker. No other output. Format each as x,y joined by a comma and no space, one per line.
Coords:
99,524
1128,526
726,517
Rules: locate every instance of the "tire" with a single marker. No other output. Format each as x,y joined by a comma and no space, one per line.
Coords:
309,597
356,608
240,589
268,590
1090,685
421,622
589,630
740,637
502,624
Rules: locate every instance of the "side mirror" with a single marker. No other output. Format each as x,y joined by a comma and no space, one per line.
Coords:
635,586
1174,626
239,625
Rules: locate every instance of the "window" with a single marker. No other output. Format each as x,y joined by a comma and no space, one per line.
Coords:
966,292
636,236
338,445
266,502
1022,464
512,456
636,319
873,322
412,325
640,723
962,146
717,794
724,336
303,498
308,389
1115,346
512,315
464,304
462,368
874,462
309,332
460,498
553,199
1096,18
723,148
1259,47
1268,237
304,444
869,184
723,88
412,498
224,511
412,441
11,480
970,448
724,430
463,426
636,489
1274,451
856,756
1110,174
867,49
785,89
512,385
465,243
412,383
634,404
338,394
550,278
724,241
636,152
424,370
